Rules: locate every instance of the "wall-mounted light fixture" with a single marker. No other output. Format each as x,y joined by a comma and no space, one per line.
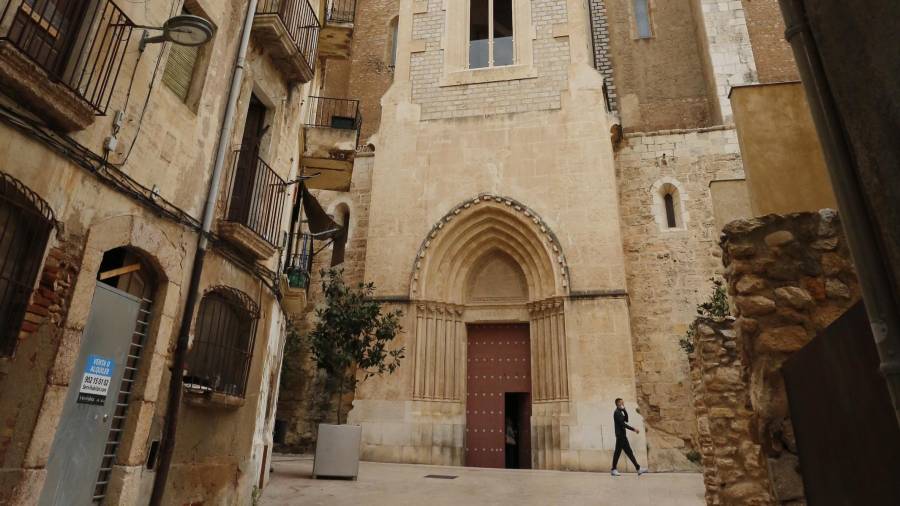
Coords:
185,30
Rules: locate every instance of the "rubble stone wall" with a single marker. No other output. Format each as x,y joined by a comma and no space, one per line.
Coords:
788,278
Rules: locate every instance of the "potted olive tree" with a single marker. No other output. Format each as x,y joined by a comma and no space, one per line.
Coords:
349,344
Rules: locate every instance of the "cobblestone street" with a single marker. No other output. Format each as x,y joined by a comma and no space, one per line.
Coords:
402,484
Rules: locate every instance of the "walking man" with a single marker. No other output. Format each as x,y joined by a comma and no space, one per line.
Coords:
620,419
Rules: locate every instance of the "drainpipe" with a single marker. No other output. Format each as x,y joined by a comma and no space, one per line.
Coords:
882,309
180,355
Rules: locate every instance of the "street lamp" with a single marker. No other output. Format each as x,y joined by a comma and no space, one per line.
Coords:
184,30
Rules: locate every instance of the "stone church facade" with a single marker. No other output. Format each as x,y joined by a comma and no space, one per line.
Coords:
569,181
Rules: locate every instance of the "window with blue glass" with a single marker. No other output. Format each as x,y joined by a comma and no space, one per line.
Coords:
491,33
642,18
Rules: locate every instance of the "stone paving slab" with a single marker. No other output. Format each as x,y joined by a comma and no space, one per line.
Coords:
405,484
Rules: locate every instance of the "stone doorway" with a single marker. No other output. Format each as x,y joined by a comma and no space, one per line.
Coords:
498,371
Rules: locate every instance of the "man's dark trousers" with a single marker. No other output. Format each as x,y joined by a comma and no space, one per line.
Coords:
623,445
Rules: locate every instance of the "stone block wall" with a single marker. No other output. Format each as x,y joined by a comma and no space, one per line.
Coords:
668,270
788,277
600,39
551,60
729,49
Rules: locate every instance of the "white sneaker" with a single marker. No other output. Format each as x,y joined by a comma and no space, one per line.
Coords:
643,470
614,472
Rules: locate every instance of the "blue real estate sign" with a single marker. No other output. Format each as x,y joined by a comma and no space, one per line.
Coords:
96,380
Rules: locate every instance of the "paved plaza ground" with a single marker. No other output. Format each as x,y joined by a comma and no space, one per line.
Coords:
404,484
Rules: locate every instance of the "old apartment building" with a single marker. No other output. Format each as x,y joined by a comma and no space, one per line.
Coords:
540,187
121,143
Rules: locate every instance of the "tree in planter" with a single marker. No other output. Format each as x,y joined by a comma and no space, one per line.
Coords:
352,335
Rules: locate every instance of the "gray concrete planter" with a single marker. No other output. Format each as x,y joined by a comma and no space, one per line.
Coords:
337,451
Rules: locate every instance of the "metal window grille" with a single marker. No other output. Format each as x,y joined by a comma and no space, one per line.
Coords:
25,224
114,439
300,20
257,196
219,360
299,260
78,43
341,11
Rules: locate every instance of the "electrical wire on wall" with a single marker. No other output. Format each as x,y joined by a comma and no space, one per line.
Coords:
113,177
150,86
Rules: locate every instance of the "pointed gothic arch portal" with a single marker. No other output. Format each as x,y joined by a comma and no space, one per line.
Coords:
490,266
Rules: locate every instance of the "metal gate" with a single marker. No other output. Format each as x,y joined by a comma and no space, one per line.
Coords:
499,362
847,435
92,404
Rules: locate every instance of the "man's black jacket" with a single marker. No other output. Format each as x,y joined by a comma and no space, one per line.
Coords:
620,417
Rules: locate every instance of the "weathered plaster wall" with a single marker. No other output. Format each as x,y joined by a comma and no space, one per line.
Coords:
669,270
778,140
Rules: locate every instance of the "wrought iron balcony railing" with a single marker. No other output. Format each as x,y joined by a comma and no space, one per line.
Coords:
300,21
337,113
78,43
256,196
298,260
340,11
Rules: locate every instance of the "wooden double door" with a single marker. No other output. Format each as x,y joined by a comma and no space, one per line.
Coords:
498,396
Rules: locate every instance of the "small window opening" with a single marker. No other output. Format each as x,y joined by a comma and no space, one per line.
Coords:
491,33
394,33
670,210
339,246
642,18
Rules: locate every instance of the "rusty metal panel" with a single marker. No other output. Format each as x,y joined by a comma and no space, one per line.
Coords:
854,457
499,361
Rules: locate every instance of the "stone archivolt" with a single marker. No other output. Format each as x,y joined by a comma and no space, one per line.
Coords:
477,226
456,247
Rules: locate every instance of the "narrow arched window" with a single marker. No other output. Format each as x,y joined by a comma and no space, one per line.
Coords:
220,356
669,201
393,46
25,224
642,18
339,246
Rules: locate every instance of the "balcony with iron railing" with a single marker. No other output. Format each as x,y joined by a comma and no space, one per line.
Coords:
337,31
256,196
298,260
331,135
61,60
289,31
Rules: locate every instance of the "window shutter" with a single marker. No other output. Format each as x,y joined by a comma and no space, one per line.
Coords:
180,69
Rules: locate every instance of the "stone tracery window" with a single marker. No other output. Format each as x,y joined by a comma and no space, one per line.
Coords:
491,33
